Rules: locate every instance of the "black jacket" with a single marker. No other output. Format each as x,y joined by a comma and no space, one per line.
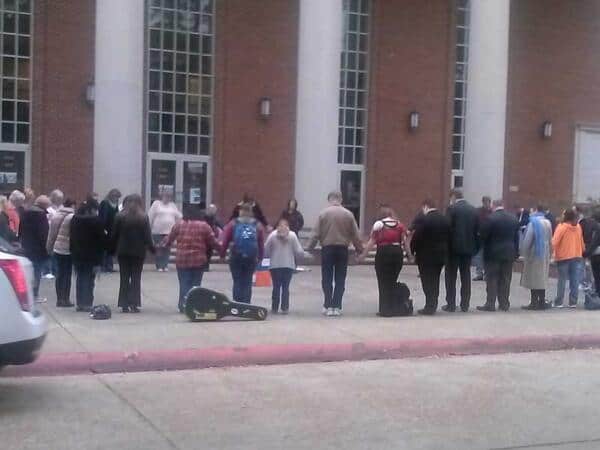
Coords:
88,239
131,236
33,232
295,219
593,229
464,228
500,237
107,213
430,241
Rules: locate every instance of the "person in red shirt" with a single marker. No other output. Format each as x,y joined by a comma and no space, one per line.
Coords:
194,237
389,234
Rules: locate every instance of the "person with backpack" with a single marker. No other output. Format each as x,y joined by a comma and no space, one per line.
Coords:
246,237
389,235
282,248
59,244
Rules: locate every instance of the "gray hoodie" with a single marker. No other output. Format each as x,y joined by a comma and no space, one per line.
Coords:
283,250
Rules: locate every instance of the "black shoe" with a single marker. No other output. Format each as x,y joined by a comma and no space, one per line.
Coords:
545,305
449,308
504,308
464,309
478,278
125,310
426,312
487,308
135,309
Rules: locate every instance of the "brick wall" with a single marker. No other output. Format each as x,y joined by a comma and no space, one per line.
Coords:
412,60
256,52
554,74
62,122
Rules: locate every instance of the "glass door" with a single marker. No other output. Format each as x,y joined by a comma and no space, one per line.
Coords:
186,179
351,187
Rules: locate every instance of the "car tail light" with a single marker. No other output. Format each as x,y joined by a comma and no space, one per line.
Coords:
15,274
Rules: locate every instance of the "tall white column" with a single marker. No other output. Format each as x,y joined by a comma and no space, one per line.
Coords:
486,99
119,96
320,47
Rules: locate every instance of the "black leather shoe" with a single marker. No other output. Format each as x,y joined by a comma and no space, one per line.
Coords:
449,308
134,309
504,308
125,310
65,305
545,305
464,309
486,308
426,312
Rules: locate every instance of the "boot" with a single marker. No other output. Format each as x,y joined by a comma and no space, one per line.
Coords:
533,304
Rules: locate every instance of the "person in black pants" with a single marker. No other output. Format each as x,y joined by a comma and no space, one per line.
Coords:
500,240
389,235
464,231
109,208
131,239
430,245
592,247
87,244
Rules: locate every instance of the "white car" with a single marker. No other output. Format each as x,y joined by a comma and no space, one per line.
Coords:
23,327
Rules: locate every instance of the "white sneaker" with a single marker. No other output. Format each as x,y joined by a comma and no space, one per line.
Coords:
330,312
41,300
325,310
166,269
49,276
337,312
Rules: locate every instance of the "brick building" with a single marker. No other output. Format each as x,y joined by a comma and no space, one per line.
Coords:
388,100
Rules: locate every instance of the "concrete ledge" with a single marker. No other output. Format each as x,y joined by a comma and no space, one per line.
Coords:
58,364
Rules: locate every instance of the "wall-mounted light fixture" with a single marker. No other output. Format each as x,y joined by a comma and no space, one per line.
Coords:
547,130
265,107
414,120
90,93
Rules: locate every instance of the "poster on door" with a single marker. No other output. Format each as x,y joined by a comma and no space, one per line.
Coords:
195,196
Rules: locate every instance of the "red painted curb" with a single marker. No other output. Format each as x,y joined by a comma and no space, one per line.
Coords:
56,364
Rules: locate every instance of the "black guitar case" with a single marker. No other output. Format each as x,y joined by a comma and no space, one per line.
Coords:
204,305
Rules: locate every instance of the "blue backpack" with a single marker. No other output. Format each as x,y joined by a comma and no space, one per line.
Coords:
245,240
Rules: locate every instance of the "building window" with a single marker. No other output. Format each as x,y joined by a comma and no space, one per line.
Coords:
463,11
180,71
352,125
15,45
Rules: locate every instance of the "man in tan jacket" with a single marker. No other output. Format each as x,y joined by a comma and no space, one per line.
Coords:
336,228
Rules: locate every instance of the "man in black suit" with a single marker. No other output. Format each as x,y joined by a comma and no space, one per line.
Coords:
500,239
430,245
464,231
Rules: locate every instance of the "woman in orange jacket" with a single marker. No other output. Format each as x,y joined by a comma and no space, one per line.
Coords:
568,253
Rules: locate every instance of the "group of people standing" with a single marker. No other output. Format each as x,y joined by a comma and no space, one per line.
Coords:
87,237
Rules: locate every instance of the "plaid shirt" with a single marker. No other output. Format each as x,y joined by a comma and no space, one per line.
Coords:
194,239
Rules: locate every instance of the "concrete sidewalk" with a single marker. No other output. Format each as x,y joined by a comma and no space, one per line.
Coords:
161,327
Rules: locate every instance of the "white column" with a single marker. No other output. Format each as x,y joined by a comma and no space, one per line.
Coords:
320,47
119,96
486,99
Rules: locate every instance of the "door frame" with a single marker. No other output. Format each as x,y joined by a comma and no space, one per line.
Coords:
355,168
580,128
179,159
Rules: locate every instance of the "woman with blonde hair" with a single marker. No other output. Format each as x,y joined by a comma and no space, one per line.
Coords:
131,239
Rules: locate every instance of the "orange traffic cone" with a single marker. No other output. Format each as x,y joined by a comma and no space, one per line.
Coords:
263,278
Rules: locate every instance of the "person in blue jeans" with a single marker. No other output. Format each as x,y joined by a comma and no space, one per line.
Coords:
568,253
335,229
193,236
246,237
282,248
